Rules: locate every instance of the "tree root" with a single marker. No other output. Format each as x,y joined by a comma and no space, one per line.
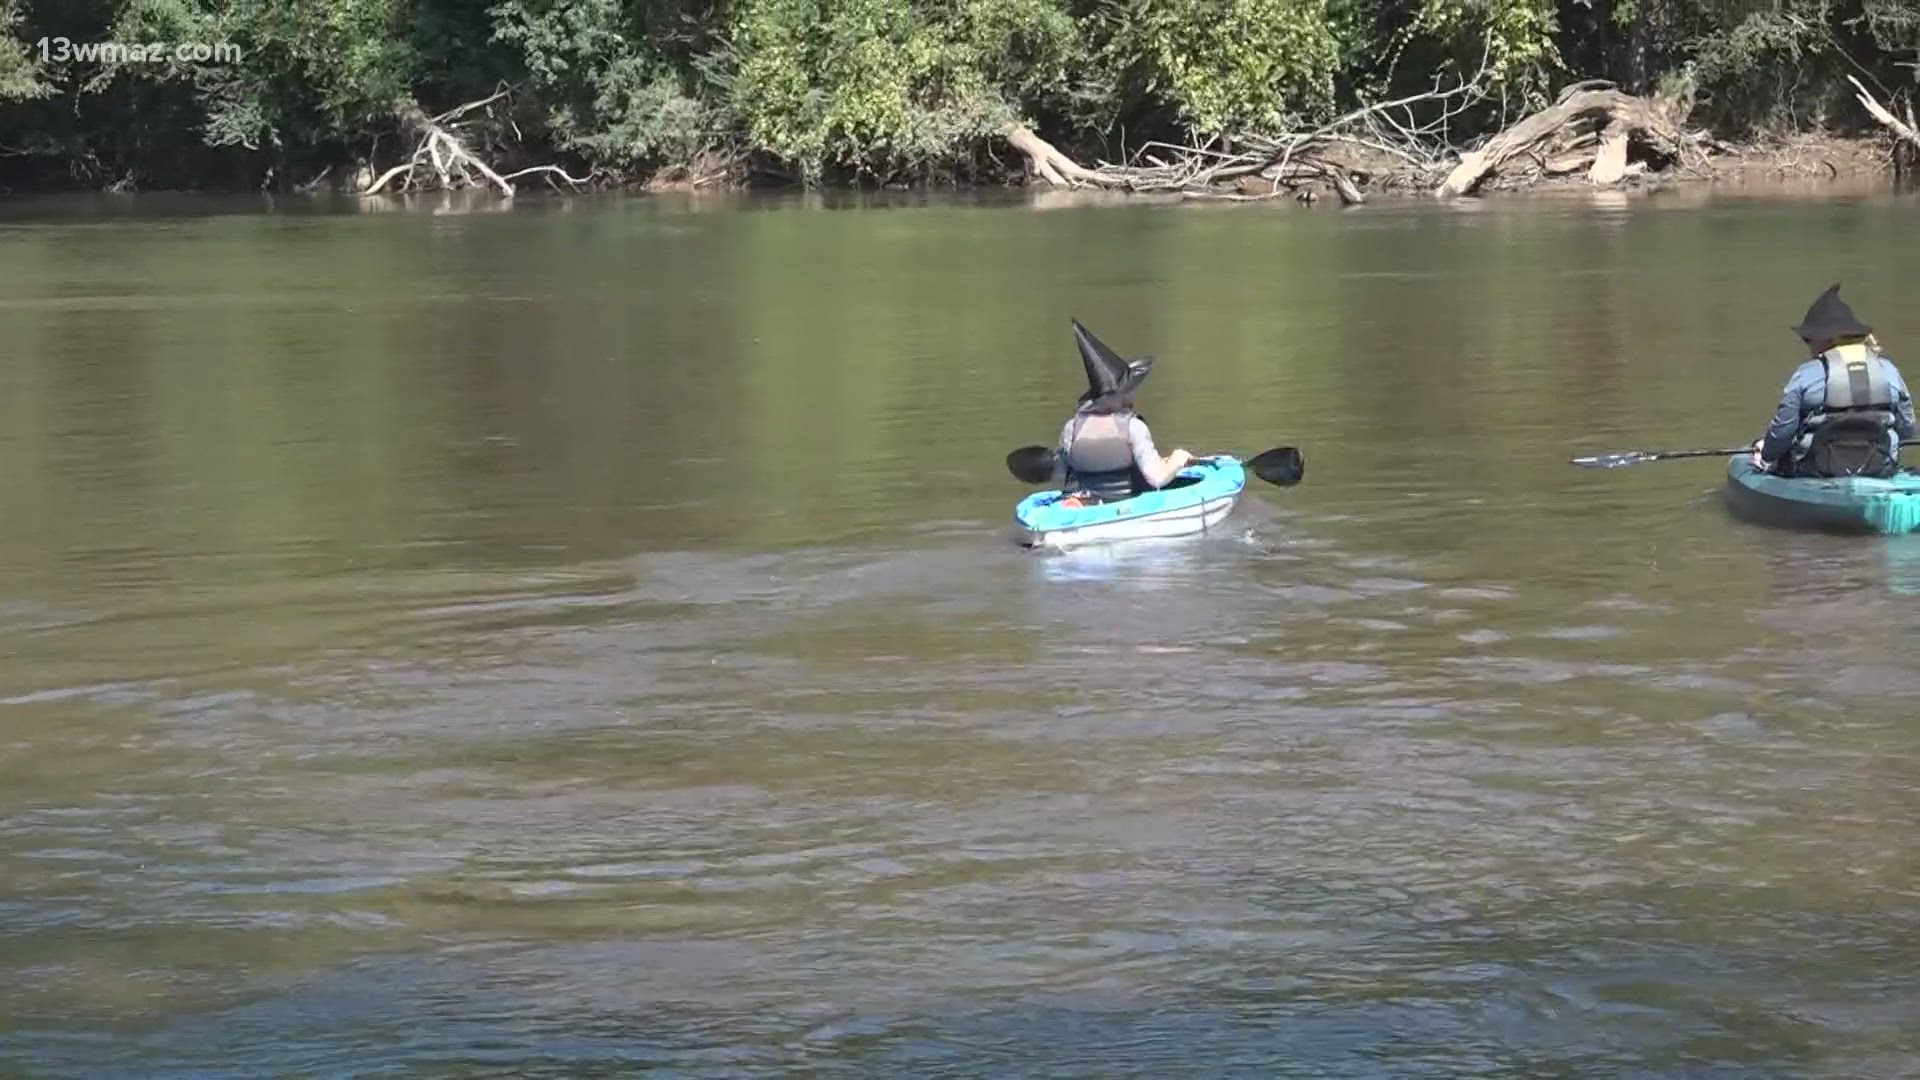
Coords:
443,158
1053,166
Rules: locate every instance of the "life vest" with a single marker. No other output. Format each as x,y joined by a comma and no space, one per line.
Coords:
1856,380
1099,457
1851,433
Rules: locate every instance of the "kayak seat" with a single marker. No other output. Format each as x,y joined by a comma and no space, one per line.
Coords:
1850,444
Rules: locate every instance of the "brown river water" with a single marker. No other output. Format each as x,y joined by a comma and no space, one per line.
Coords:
585,640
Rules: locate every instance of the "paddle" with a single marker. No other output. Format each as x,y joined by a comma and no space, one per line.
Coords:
1283,465
1031,464
1635,457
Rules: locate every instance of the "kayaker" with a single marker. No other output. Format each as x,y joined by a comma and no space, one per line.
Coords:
1844,412
1106,450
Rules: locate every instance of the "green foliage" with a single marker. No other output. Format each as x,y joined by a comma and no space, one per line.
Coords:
1892,26
309,70
1783,35
20,74
880,86
1515,37
1766,65
888,89
1226,66
610,90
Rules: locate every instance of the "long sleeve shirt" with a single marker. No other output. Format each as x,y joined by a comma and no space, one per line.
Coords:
1806,393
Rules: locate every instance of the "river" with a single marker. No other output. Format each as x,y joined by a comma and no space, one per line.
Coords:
585,639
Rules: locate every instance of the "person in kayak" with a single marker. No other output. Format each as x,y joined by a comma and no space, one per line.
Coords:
1106,449
1844,412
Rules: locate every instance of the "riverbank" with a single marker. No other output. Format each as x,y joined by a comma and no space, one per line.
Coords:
1592,136
1808,162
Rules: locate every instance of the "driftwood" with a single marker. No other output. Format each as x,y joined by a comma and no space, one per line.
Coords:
1565,164
1616,117
442,153
1407,142
1053,166
1610,161
1409,132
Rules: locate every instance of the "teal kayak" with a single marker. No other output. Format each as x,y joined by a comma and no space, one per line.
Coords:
1854,504
1197,499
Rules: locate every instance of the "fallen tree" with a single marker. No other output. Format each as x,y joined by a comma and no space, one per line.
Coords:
443,154
1590,126
1376,142
1906,131
1404,143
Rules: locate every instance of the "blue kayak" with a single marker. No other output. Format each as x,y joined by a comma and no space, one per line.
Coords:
1854,504
1198,498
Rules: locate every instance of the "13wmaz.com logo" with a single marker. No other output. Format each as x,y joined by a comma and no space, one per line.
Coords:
61,50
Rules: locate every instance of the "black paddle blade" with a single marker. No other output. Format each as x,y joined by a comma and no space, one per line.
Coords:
1282,465
1031,464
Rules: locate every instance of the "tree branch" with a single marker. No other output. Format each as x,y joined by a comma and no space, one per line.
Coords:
1893,123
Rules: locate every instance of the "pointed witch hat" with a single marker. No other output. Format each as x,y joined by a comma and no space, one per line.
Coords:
1830,318
1108,375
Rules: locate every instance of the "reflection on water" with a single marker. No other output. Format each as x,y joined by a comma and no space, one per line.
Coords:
586,639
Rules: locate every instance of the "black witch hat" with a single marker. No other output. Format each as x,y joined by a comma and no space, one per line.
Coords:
1108,375
1830,318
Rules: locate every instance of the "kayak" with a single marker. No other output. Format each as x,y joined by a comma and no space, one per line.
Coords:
1198,498
1853,504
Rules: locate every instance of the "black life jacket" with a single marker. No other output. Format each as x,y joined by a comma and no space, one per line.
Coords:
1851,433
1102,464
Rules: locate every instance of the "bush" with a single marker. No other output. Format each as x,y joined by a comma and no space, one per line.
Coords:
880,87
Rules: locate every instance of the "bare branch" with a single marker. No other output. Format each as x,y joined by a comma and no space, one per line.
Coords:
457,112
555,169
374,188
1879,112
439,148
